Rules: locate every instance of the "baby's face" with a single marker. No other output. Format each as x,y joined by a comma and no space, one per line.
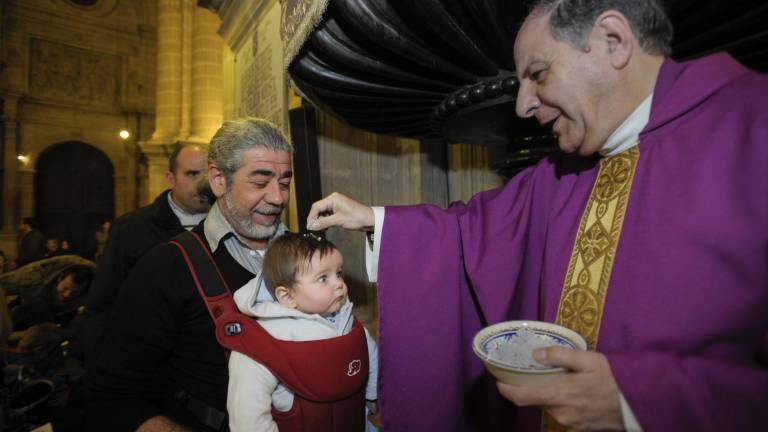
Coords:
321,288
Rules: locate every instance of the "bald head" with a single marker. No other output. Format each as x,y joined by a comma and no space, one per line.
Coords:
187,165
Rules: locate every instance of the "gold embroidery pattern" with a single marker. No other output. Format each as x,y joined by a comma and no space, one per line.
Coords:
589,270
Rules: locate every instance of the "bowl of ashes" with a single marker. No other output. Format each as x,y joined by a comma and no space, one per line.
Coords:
507,348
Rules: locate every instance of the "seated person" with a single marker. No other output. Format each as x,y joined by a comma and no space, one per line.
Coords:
49,312
303,272
33,275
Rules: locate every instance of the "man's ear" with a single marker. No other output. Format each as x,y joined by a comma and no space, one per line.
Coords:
217,180
170,178
284,296
613,32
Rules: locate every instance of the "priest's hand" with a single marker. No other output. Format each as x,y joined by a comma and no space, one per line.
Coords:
337,210
587,398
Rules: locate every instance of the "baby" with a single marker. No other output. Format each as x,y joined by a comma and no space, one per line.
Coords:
318,365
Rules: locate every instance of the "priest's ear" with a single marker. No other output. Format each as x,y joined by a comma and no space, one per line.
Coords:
613,34
285,297
218,181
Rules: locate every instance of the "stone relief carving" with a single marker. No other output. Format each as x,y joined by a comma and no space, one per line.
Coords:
259,95
263,80
74,75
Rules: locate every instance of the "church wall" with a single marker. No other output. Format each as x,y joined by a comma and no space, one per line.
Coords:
76,73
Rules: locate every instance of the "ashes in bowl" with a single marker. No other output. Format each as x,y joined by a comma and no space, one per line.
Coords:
507,348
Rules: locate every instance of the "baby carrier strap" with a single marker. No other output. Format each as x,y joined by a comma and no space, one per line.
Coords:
324,401
209,282
230,324
286,359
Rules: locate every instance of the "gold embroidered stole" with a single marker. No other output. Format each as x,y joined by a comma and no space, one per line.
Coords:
589,270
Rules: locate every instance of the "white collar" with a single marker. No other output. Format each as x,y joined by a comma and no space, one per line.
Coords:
626,135
188,220
216,226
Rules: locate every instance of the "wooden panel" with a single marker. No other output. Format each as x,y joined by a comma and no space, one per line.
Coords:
384,170
469,170
375,170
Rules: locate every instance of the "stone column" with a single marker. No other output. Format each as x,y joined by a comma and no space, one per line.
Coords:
168,103
121,195
26,181
10,164
207,83
187,19
157,166
169,55
189,85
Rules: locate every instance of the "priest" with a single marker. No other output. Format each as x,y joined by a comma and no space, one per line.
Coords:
647,234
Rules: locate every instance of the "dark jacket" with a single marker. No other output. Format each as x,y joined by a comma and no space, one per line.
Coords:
131,236
160,338
31,248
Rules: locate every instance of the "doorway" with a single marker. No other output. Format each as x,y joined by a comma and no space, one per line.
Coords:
74,193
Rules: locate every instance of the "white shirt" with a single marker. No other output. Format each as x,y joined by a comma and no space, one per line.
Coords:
187,220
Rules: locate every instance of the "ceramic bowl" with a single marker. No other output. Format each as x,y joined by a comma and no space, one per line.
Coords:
505,349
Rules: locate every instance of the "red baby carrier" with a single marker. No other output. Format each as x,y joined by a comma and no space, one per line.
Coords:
326,376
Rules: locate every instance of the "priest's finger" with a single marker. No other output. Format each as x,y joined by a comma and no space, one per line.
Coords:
567,358
324,206
337,210
327,212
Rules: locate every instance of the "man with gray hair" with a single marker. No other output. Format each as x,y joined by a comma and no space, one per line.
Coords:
162,368
646,234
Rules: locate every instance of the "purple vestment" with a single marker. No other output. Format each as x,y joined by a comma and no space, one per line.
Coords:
686,313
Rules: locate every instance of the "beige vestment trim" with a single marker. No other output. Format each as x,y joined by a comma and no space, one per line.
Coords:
589,270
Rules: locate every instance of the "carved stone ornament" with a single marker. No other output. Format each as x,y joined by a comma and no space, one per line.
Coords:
67,74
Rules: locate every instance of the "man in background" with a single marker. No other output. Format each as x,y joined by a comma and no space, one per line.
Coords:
31,243
134,234
51,248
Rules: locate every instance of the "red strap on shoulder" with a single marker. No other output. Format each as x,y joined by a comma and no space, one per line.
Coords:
209,281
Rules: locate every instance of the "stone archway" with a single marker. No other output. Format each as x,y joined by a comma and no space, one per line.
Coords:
74,193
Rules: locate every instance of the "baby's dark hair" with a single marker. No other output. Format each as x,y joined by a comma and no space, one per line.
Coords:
289,256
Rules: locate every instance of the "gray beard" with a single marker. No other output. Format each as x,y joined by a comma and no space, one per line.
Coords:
243,224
